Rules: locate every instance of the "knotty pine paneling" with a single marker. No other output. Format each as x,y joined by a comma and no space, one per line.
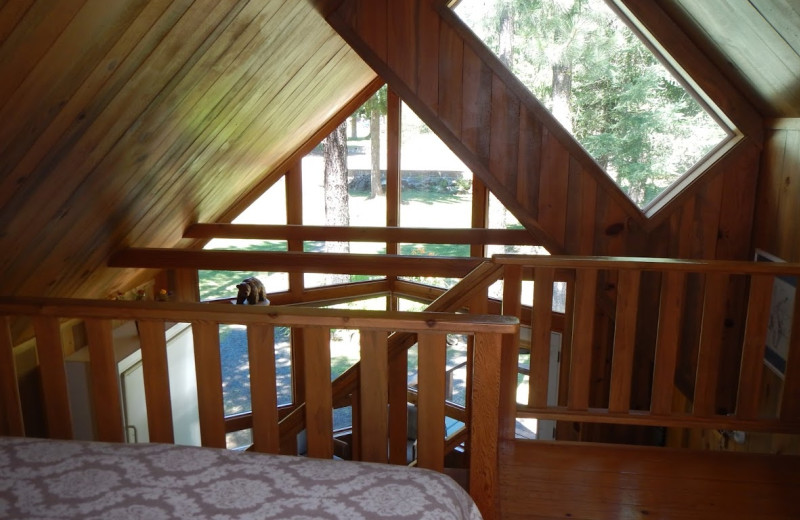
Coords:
529,154
777,231
777,220
125,121
450,74
477,106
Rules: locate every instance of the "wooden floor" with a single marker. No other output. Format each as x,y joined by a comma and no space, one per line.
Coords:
546,480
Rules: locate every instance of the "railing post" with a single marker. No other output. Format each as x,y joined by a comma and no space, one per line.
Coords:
374,396
752,364
54,377
319,400
512,306
487,423
106,400
156,381
430,434
580,372
624,340
263,389
541,325
11,422
673,284
209,383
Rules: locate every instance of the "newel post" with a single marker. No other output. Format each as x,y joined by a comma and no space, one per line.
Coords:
487,423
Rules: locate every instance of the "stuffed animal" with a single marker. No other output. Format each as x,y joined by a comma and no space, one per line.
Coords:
252,291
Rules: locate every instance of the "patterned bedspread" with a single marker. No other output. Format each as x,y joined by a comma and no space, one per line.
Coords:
71,479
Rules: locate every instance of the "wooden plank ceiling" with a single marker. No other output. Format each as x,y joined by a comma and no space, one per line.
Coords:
755,42
124,121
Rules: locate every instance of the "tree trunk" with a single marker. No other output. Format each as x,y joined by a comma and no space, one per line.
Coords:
562,88
353,127
337,210
375,151
505,32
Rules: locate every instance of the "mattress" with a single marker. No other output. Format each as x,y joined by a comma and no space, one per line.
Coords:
92,480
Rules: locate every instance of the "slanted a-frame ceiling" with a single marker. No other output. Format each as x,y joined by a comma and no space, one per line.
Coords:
121,122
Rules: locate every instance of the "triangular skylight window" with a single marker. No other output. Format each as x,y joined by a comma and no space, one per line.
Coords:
641,125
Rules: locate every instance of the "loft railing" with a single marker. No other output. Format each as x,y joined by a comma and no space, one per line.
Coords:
665,319
375,327
664,315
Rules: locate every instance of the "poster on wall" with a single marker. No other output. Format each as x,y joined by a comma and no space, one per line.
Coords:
779,328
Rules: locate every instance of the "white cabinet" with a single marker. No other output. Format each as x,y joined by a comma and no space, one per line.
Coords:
128,354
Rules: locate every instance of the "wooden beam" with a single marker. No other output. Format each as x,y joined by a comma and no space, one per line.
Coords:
732,267
332,263
479,236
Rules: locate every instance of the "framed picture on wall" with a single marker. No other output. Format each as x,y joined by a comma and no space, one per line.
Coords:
779,328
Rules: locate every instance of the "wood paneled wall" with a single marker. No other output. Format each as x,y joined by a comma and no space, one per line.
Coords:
777,215
526,158
776,230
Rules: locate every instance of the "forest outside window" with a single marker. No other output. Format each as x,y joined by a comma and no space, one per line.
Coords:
641,125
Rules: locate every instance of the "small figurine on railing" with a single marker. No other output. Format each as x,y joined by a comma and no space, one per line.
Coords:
252,291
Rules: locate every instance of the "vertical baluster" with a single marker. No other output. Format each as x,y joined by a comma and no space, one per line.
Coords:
209,383
486,422
582,338
669,318
319,400
478,305
398,406
155,372
263,387
430,435
374,396
11,422
512,306
790,399
54,377
106,400
755,331
541,325
624,341
705,387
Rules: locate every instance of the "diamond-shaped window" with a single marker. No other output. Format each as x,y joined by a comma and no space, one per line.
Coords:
641,124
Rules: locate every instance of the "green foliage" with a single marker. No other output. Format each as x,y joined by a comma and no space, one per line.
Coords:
624,107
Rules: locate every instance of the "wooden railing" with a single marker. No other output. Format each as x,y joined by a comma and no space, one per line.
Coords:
375,329
695,327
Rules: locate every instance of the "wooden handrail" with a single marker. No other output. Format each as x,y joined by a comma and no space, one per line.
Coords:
732,267
361,234
291,262
247,314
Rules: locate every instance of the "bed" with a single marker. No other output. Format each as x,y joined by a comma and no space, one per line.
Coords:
91,480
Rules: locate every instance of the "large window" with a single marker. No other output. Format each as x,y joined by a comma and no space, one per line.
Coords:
641,124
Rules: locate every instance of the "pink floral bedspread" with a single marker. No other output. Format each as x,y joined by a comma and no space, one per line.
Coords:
70,479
